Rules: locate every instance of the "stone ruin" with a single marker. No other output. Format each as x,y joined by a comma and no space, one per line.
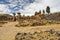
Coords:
28,20
50,34
37,19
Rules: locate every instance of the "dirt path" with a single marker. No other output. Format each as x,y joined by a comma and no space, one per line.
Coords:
8,31
10,24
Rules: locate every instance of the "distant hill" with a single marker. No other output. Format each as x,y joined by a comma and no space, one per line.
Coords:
4,16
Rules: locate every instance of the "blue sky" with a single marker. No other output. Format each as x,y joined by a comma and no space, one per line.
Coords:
28,7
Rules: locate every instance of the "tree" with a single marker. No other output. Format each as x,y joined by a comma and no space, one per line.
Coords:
43,11
48,9
40,11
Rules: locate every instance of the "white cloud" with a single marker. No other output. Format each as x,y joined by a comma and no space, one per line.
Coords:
40,5
4,9
30,8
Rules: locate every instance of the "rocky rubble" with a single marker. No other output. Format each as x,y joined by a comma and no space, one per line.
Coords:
42,35
37,23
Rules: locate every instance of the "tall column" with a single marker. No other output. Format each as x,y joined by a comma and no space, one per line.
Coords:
19,16
14,17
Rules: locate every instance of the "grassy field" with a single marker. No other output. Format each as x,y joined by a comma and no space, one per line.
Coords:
8,31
